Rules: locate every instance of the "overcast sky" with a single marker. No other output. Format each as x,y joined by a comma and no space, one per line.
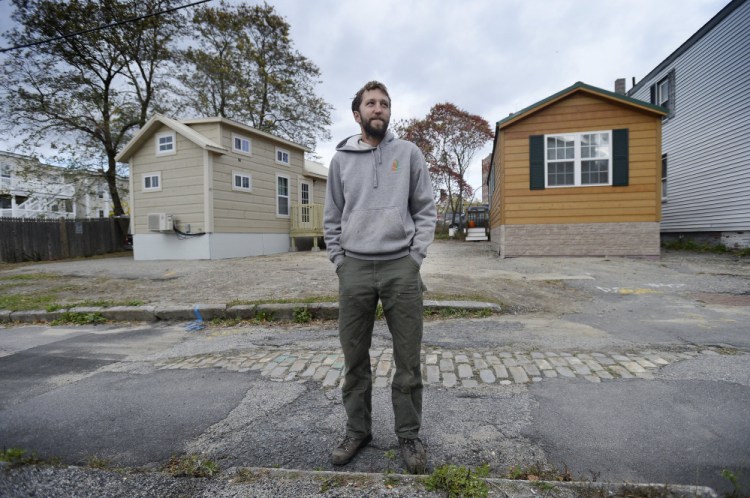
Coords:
488,57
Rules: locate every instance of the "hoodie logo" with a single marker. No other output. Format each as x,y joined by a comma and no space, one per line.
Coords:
394,166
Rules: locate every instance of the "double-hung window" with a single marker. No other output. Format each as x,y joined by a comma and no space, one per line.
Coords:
282,195
578,159
241,144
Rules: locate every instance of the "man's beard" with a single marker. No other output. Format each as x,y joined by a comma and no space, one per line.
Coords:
371,131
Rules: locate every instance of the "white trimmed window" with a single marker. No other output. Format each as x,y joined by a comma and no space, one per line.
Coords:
151,182
166,143
242,182
241,144
282,156
578,159
282,196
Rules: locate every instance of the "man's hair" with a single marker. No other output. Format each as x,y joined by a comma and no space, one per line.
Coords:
370,85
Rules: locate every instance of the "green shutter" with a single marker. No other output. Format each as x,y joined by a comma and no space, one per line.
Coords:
620,157
536,160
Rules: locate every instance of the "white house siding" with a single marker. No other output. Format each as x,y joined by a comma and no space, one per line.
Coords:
706,140
181,192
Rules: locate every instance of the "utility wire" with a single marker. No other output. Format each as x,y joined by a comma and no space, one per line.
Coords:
106,26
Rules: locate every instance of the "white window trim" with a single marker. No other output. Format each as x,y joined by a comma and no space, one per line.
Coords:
288,156
169,152
156,174
249,151
577,160
241,174
288,196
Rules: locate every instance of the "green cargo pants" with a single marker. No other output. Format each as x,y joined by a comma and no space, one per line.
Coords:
398,286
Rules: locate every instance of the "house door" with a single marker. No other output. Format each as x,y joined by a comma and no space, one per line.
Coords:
305,200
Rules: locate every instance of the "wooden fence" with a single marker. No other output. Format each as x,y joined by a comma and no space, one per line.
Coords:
24,239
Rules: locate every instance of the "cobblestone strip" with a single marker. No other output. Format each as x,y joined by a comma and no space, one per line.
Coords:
444,368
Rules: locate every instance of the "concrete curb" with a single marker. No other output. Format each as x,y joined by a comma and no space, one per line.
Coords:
498,486
274,311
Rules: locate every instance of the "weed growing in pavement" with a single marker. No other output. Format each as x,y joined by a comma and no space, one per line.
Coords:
734,479
191,466
302,315
379,312
18,456
70,317
246,476
339,481
25,302
262,316
459,481
96,462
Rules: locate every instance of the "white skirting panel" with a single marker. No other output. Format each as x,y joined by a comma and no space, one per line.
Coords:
154,246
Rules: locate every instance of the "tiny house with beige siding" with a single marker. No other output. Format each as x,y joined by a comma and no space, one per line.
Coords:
213,188
577,174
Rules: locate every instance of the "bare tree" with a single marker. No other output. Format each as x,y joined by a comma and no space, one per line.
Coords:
245,67
84,91
449,137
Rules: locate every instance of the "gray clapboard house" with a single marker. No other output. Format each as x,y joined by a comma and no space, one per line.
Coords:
705,85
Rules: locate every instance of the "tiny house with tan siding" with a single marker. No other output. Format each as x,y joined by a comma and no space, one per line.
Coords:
213,188
577,174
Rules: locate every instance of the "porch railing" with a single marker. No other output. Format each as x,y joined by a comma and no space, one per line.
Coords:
306,221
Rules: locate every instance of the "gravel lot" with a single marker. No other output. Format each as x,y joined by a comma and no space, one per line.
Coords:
452,269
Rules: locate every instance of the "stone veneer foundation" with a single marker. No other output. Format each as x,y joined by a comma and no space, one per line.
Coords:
584,239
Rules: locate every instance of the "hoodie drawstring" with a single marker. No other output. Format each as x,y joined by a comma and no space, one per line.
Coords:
377,158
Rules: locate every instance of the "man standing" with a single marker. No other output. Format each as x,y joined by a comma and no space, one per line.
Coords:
379,221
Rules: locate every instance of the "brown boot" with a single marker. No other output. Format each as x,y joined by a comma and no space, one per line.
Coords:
414,455
348,448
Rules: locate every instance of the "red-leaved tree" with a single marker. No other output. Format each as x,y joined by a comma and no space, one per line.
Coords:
449,137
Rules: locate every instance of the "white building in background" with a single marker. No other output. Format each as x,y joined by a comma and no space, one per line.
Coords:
30,189
705,86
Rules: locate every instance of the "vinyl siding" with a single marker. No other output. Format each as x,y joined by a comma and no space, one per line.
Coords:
515,204
252,212
706,140
181,192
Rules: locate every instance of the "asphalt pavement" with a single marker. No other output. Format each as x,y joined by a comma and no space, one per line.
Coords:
647,381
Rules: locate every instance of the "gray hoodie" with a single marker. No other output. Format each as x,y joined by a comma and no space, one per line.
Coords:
379,202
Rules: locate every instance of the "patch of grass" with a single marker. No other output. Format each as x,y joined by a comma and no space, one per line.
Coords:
262,316
26,302
246,476
459,481
302,315
18,456
302,300
96,462
693,246
76,318
734,480
191,466
25,277
449,312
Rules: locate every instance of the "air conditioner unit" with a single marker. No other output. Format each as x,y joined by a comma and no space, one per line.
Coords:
160,222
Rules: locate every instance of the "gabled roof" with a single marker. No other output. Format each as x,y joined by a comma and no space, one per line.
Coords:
183,128
315,170
148,129
248,129
580,87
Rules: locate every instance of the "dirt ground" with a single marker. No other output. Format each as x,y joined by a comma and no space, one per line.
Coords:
452,270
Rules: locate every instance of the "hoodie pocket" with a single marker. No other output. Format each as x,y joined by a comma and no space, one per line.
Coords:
374,231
